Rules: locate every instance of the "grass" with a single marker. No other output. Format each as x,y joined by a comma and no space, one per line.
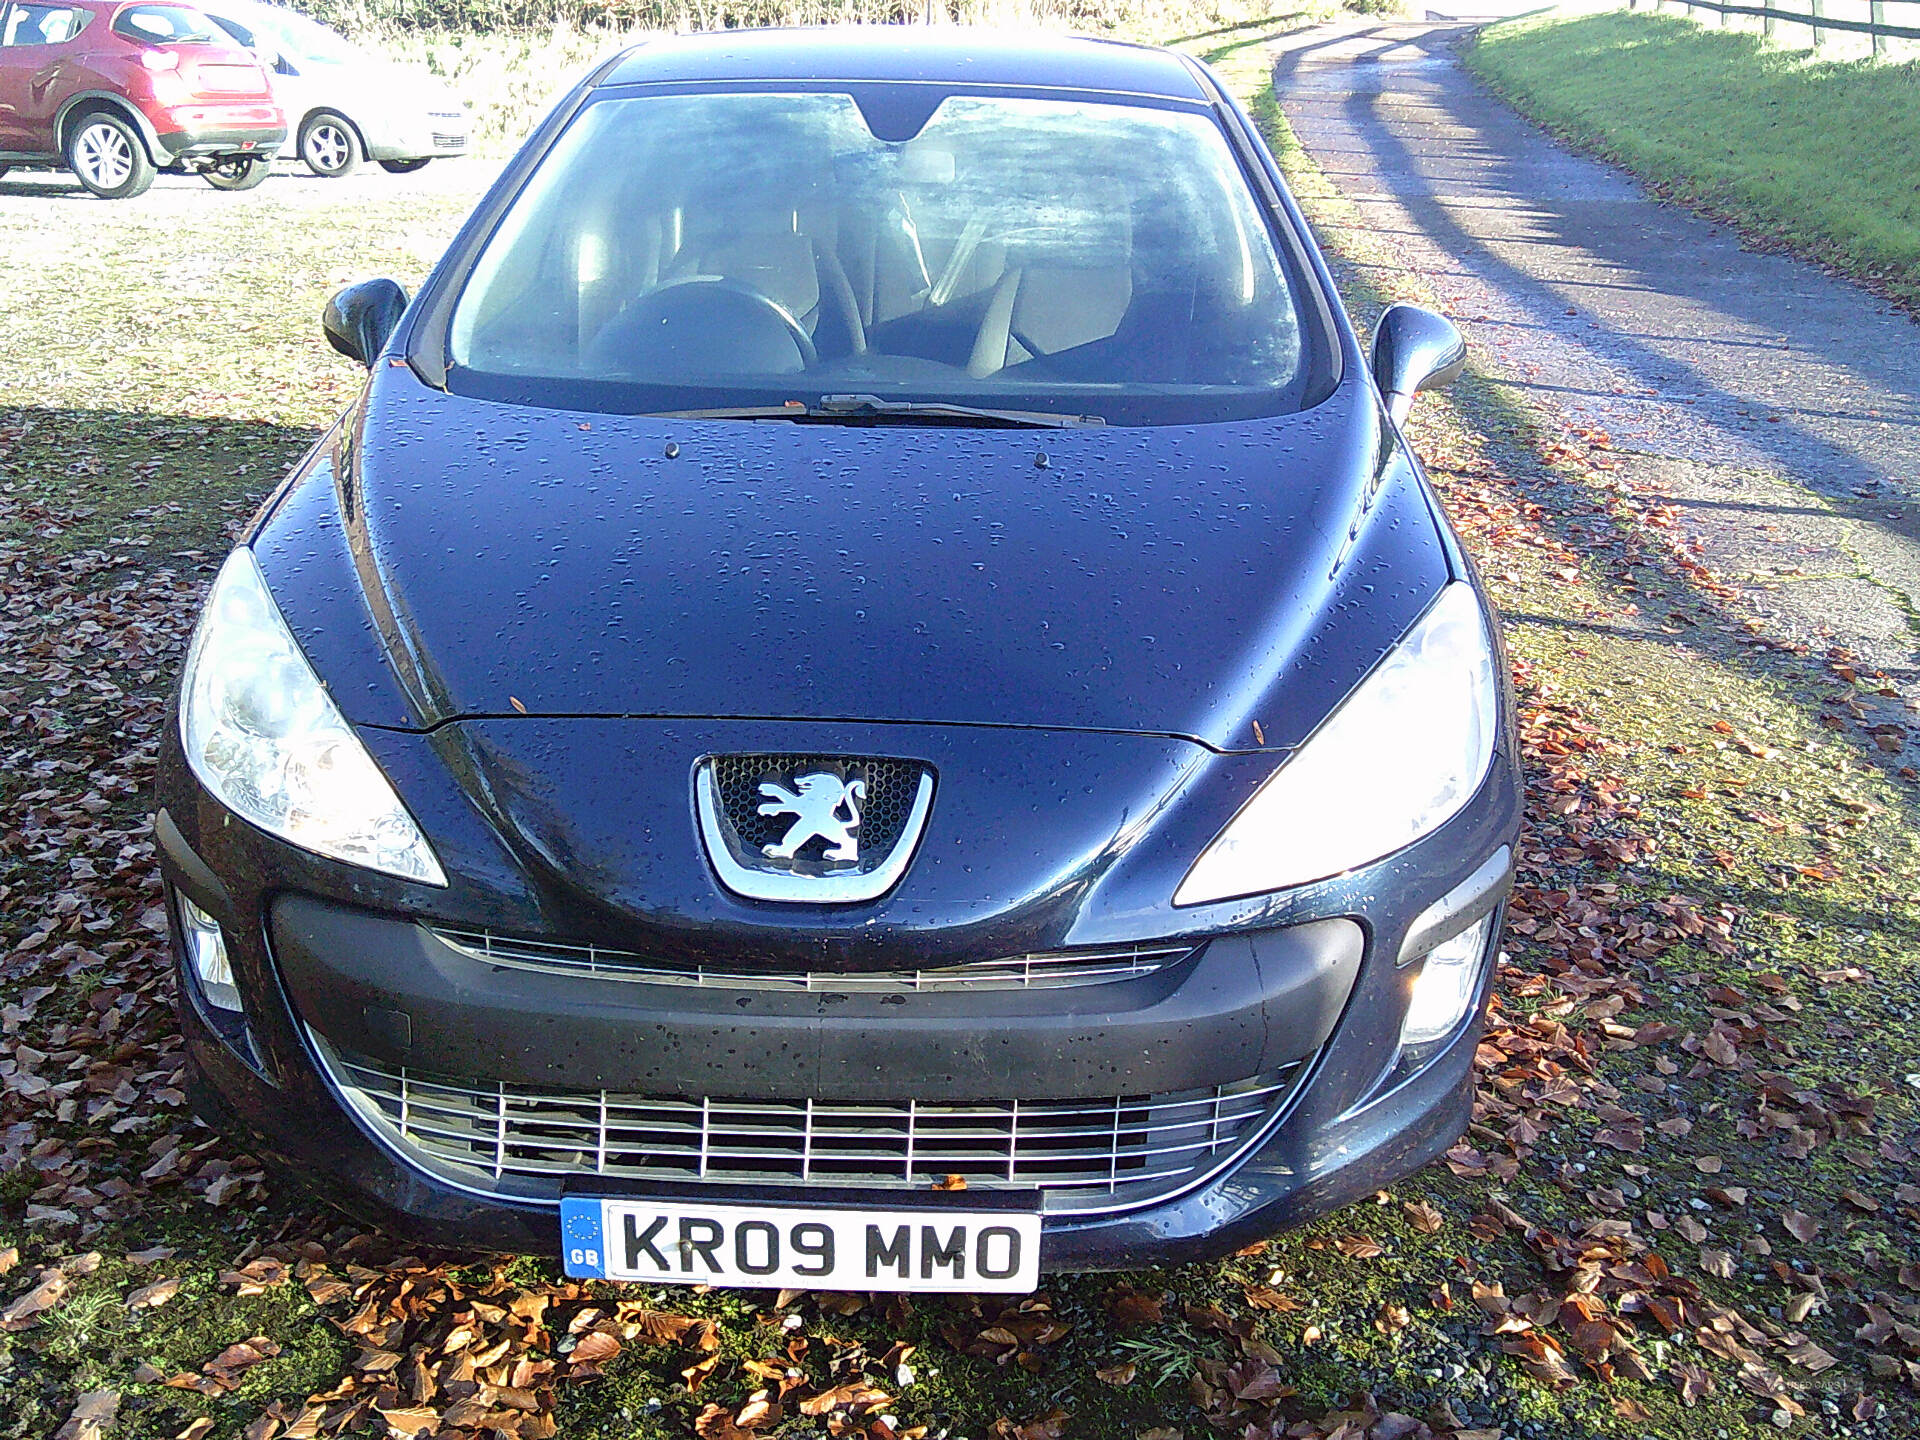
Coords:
1814,155
143,414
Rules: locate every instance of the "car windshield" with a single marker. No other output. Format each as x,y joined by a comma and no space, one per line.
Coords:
165,25
715,250
304,39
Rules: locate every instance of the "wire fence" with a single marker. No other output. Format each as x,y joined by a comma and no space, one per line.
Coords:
1818,17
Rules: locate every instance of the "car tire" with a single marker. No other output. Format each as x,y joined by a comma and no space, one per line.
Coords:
329,145
402,167
107,156
237,172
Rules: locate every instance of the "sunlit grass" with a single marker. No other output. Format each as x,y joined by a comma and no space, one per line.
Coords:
1818,155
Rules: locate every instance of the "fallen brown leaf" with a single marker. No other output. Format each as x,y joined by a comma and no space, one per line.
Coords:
152,1297
1135,1307
26,1309
854,1395
1424,1217
92,1413
717,1423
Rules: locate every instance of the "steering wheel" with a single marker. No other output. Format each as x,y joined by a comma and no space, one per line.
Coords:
703,325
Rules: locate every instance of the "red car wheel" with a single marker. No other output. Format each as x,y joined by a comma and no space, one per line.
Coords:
107,155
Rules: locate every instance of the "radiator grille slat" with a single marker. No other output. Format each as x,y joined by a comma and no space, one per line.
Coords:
1041,971
526,1142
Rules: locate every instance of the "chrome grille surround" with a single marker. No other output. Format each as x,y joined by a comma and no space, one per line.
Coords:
1045,971
811,829
1082,1156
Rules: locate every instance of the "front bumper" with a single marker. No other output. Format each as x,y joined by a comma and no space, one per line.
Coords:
428,136
397,993
1319,990
1305,1166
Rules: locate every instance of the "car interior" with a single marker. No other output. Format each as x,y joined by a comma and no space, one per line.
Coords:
43,24
965,260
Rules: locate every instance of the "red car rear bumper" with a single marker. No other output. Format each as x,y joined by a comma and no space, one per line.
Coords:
220,128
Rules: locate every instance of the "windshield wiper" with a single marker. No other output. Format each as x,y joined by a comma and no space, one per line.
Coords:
872,408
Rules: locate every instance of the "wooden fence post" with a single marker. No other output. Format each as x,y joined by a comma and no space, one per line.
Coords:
1766,21
1819,35
1878,12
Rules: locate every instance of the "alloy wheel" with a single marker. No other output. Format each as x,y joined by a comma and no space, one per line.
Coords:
328,146
103,156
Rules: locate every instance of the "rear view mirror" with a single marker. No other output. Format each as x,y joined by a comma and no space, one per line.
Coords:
359,319
1414,350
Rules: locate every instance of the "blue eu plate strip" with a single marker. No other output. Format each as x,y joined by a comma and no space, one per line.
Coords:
581,1249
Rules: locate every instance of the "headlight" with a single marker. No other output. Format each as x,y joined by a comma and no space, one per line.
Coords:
1396,761
265,738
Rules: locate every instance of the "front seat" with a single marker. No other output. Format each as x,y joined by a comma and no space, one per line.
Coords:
1041,310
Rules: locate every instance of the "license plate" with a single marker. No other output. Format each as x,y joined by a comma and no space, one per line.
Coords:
678,1243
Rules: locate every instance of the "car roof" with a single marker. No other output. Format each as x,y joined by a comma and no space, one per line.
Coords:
239,8
944,54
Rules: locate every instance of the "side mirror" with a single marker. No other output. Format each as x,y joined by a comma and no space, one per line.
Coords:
1414,350
359,319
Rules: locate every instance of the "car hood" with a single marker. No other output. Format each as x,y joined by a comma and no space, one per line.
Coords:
452,558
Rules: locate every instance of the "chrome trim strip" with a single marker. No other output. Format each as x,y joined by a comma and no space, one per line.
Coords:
850,888
1037,971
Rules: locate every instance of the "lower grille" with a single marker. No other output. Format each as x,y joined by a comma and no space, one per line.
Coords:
1093,1154
1047,971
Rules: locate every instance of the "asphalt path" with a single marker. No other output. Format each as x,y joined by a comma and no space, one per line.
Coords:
1775,407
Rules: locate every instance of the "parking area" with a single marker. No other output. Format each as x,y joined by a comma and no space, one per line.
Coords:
139,305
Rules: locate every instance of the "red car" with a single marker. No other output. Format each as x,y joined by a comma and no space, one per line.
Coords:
115,92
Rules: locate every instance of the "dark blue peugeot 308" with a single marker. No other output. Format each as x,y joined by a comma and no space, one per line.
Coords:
870,697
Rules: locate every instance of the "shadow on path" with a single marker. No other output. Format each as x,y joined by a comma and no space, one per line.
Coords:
1474,151
1748,379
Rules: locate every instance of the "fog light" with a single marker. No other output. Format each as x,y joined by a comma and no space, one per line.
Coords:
207,953
1444,988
